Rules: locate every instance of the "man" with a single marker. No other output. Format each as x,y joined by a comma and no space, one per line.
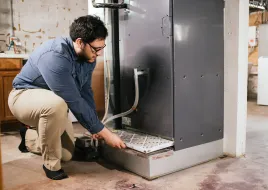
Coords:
57,77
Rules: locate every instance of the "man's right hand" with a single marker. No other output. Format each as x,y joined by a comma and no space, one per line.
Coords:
111,139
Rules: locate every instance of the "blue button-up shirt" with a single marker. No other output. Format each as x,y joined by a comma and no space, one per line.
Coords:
55,66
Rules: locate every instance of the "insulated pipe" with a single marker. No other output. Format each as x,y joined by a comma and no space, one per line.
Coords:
107,95
115,45
136,73
116,65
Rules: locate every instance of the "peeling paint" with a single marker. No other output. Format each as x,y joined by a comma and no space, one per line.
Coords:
31,31
25,51
8,34
53,25
14,28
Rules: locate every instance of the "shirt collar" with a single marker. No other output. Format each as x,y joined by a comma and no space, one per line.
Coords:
71,45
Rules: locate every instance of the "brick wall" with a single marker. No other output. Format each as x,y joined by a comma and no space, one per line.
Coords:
37,21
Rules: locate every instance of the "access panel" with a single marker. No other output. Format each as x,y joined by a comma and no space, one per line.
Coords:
198,71
146,44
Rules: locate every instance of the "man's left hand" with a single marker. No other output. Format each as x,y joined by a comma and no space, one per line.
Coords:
96,136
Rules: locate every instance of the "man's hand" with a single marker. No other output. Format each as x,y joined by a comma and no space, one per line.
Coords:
96,136
111,139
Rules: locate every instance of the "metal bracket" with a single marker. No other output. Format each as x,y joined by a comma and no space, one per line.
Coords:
166,26
110,5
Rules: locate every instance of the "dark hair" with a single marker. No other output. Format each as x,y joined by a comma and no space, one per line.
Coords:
89,28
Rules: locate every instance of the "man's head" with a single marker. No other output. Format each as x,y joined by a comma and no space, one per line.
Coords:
88,34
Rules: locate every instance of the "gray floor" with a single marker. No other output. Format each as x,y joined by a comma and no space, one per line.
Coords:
23,171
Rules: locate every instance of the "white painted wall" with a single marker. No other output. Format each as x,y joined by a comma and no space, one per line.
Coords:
37,21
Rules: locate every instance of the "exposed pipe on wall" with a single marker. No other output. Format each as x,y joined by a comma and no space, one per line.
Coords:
116,56
114,5
12,19
116,64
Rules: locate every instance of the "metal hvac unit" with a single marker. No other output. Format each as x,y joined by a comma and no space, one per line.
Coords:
179,45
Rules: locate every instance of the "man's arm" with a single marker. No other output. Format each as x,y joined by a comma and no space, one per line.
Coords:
88,94
56,71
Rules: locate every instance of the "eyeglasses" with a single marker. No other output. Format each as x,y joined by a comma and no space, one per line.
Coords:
96,49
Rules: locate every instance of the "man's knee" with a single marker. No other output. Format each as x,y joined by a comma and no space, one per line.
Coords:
66,155
58,107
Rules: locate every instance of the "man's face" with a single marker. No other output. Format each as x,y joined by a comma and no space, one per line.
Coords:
91,50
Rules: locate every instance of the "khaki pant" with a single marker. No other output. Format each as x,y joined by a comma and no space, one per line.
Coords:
48,114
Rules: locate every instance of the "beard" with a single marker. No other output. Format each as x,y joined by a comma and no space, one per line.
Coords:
83,56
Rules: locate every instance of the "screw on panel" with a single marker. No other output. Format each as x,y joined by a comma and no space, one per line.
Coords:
217,75
180,139
220,130
184,76
202,76
202,134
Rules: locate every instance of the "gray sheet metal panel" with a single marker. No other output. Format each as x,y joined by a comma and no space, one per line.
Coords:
198,71
144,44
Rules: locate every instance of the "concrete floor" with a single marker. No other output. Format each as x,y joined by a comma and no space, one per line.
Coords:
23,171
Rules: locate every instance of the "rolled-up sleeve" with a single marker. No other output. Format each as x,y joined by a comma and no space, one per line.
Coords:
57,73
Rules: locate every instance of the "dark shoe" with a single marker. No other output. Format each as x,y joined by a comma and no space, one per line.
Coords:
55,175
22,146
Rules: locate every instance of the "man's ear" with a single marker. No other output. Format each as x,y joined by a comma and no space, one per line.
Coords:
80,43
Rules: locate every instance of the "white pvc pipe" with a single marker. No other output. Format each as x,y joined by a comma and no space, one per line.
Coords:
135,102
